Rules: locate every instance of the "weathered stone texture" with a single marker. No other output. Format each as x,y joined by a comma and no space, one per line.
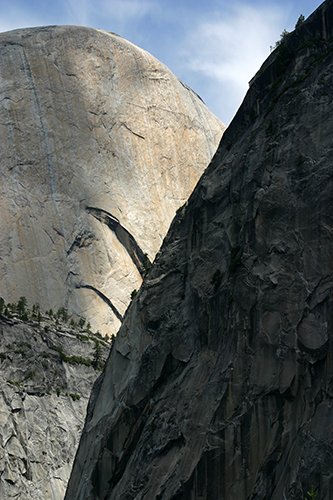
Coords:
219,385
40,422
90,121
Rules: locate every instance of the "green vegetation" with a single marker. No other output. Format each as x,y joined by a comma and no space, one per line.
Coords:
17,384
7,313
300,20
35,309
81,337
3,356
20,351
75,397
283,36
133,294
97,359
62,314
181,213
311,495
22,344
20,309
72,360
81,322
145,264
21,305
30,375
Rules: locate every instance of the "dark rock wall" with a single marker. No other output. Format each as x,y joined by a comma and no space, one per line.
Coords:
219,385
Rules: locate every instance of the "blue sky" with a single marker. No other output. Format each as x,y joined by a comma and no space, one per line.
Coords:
214,46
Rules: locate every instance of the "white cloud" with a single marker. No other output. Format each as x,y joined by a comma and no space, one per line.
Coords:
117,12
124,10
231,49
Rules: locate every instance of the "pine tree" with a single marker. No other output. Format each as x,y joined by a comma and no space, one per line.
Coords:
97,355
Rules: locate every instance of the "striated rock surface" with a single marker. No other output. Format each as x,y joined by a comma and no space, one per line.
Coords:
220,382
46,375
99,145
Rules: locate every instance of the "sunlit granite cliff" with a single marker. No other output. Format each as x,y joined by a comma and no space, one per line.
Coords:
99,145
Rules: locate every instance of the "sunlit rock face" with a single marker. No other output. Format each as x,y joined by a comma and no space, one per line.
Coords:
46,375
99,145
220,383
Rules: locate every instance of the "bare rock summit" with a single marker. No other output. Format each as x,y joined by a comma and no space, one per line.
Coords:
99,145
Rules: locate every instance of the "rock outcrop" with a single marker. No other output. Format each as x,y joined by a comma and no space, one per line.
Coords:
99,145
46,374
220,383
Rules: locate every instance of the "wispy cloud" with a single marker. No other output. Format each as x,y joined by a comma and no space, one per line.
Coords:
125,10
230,49
119,13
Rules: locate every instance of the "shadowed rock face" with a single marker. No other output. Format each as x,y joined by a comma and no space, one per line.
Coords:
89,121
219,385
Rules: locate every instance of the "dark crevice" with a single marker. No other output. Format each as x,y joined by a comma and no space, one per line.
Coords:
172,368
81,240
139,259
10,481
104,298
130,130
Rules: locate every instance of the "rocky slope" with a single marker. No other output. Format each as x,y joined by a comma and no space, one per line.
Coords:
99,145
220,382
46,374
